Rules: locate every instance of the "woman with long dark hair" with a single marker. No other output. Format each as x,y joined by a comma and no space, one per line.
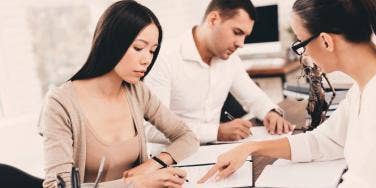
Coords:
337,35
99,112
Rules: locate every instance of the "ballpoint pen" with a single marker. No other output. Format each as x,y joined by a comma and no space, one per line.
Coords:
229,116
60,181
75,179
163,164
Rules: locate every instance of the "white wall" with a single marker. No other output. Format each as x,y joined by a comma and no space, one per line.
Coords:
27,41
19,91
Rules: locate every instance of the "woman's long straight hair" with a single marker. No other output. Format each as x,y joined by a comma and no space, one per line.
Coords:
115,32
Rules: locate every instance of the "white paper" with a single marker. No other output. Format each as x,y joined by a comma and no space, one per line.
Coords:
258,134
208,154
241,178
314,174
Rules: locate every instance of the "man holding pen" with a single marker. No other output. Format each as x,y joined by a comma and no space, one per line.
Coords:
197,71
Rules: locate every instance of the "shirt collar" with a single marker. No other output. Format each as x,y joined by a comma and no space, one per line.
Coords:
189,50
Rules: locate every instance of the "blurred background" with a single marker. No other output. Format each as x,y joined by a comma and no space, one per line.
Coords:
44,42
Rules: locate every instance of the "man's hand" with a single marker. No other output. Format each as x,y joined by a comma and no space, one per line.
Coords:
234,130
275,124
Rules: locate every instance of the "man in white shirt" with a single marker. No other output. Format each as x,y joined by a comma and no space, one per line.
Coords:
196,72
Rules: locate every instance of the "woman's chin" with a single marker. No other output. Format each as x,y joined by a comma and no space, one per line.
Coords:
132,80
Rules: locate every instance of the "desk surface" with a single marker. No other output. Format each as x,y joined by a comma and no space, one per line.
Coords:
295,113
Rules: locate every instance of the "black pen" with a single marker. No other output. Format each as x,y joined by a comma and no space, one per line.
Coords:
229,116
60,181
164,165
75,179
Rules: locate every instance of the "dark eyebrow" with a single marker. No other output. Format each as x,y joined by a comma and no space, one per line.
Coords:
146,42
238,30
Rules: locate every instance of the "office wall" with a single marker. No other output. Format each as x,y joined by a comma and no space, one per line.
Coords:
43,42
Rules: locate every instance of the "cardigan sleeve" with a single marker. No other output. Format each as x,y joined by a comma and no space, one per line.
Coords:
183,141
55,128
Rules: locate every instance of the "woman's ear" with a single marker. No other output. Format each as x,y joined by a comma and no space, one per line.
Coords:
326,41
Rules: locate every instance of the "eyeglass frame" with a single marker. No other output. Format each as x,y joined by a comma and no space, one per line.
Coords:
302,44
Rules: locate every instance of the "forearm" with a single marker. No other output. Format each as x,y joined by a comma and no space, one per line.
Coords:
279,148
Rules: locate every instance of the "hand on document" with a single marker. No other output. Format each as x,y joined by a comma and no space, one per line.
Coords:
166,177
276,124
147,167
228,163
234,130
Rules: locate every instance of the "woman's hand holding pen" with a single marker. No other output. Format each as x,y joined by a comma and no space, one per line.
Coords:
165,177
148,166
234,130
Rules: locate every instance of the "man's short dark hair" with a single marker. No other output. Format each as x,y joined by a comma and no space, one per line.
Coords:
229,8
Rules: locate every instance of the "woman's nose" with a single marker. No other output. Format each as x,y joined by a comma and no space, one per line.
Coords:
146,60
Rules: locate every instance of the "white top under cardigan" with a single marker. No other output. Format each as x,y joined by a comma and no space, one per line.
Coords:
350,133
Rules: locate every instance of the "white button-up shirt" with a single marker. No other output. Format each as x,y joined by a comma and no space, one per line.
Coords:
350,132
196,91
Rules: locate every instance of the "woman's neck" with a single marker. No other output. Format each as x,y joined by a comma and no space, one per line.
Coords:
108,86
359,62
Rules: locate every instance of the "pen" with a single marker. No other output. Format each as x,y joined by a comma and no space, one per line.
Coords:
163,164
75,181
229,116
60,181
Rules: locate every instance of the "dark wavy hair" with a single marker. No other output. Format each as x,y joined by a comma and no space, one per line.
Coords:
115,32
354,19
229,8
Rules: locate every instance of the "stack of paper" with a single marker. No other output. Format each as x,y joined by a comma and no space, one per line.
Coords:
208,154
241,178
200,162
284,173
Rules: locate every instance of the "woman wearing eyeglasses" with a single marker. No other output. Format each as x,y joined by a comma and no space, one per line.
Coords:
337,35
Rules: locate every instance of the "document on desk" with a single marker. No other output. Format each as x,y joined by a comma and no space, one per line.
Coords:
258,133
284,173
208,154
241,178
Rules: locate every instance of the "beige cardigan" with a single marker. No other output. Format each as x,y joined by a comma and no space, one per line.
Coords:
62,125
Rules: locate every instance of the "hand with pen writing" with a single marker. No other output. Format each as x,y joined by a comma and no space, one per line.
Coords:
149,165
234,130
165,177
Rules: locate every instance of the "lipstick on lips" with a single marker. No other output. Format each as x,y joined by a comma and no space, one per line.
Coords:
140,73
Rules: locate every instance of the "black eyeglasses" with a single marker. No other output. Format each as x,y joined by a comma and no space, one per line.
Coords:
299,46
